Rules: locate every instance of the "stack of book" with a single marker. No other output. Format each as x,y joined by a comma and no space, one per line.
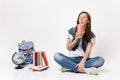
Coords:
40,61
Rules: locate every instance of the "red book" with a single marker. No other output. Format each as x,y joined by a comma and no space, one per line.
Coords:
44,58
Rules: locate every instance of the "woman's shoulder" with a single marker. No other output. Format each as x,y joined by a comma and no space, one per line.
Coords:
71,30
93,34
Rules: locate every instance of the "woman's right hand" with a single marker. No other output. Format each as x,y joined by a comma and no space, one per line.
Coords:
77,36
71,42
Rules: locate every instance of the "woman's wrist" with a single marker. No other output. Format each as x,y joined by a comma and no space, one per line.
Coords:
75,41
83,61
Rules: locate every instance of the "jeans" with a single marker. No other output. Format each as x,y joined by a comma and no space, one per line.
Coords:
71,62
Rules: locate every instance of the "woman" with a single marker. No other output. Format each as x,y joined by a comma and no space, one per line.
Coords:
80,46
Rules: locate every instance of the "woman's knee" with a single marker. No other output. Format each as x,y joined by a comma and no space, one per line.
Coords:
100,61
57,56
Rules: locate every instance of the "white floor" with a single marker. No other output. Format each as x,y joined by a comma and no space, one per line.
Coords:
7,71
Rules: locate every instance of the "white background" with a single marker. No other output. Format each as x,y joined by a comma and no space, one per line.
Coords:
45,22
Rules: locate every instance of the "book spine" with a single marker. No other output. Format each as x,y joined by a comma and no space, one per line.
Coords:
35,58
44,58
41,60
38,58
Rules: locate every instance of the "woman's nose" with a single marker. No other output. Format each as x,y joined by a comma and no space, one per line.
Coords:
81,19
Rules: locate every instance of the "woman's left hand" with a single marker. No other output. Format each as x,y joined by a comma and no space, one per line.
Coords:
80,67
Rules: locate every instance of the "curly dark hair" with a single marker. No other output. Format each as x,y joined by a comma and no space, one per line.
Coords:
87,34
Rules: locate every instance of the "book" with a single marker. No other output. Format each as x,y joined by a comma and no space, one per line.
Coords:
35,58
39,58
44,58
39,68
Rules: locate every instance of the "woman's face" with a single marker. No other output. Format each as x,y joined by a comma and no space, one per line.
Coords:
83,19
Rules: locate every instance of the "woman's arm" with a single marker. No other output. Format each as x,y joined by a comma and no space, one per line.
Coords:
85,57
71,43
87,52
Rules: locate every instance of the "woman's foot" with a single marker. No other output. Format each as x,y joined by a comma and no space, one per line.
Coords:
91,70
65,69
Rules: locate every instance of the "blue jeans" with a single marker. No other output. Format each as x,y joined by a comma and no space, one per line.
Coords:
71,62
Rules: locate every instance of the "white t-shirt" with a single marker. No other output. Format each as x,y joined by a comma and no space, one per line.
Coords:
79,51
